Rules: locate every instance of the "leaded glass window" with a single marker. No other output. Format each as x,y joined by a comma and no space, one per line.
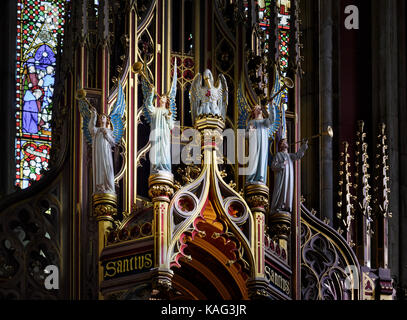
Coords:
40,26
284,18
284,7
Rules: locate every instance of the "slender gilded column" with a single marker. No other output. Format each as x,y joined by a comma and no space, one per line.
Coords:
280,229
381,192
161,189
346,208
211,128
257,197
362,187
104,208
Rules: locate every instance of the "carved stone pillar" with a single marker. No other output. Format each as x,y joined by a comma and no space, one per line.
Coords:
385,285
161,189
257,197
210,122
104,208
211,128
280,228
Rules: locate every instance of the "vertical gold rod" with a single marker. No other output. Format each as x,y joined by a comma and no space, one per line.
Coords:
161,233
131,182
167,11
259,243
103,225
296,216
104,208
196,33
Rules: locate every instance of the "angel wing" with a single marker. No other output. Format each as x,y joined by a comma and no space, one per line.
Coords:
148,95
116,116
194,95
173,92
275,119
225,95
85,113
244,108
274,107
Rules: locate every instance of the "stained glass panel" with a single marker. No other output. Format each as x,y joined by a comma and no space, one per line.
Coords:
284,15
39,23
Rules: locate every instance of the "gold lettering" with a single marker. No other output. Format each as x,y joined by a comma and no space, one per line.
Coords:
272,276
149,261
131,263
137,262
278,280
110,266
141,262
119,267
286,287
125,265
267,272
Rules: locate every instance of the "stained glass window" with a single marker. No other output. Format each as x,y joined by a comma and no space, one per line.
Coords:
284,17
284,8
39,24
264,20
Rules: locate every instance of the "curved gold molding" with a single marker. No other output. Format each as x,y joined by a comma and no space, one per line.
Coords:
213,185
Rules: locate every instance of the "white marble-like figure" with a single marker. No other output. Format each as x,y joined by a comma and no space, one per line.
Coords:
260,130
284,176
161,119
162,123
258,133
210,98
103,141
98,133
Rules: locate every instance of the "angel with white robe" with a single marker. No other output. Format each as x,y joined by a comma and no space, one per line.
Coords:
259,130
210,99
98,133
258,134
283,167
161,118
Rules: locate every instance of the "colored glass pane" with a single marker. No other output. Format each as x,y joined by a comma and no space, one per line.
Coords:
284,16
284,8
39,25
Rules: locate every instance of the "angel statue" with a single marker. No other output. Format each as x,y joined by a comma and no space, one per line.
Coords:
262,126
161,118
283,168
98,133
208,99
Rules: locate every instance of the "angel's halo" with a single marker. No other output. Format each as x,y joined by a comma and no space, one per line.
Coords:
81,94
137,67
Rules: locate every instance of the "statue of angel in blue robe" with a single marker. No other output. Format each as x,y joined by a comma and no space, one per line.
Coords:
99,133
161,118
259,129
210,99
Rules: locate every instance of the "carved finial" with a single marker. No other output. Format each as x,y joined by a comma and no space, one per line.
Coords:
232,184
202,234
230,262
223,174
